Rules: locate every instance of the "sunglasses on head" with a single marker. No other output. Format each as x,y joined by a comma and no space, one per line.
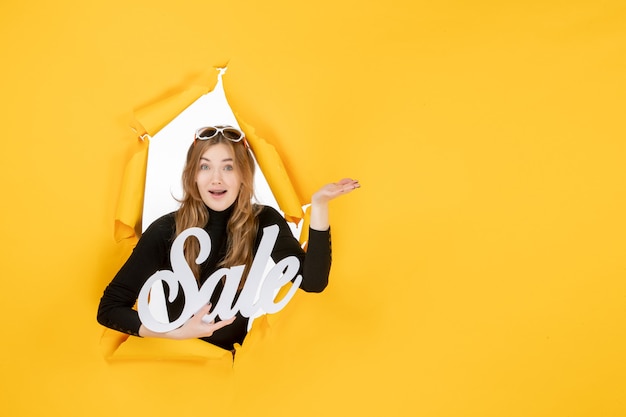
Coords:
209,132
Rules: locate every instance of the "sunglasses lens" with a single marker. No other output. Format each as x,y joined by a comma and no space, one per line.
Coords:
232,134
206,132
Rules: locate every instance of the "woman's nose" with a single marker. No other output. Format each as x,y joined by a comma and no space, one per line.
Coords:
216,177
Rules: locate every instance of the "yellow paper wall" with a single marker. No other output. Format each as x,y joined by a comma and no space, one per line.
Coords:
478,272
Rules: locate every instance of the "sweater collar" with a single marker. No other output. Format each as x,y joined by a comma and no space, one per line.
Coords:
220,216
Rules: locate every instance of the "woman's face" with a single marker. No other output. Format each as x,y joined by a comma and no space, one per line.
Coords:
218,179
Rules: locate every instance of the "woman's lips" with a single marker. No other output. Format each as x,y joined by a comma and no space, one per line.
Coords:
217,193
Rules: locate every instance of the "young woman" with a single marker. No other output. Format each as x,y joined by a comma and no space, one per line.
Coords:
217,196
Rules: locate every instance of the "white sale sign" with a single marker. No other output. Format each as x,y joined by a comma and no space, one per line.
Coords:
247,303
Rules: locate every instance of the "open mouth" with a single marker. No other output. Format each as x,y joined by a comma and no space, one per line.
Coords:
217,193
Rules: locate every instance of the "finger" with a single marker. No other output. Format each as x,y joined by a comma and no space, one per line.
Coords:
349,182
223,323
204,310
345,181
350,186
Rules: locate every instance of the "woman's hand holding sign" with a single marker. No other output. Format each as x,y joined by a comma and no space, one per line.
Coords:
193,328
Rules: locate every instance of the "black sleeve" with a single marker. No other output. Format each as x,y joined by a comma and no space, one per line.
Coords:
149,255
314,264
318,261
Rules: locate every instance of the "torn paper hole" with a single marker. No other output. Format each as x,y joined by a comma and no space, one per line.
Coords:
166,158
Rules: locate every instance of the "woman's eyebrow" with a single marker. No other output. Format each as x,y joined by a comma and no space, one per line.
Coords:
223,160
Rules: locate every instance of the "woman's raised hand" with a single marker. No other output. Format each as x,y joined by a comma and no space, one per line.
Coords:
334,190
319,201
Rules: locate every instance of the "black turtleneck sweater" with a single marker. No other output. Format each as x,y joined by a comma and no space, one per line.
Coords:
152,253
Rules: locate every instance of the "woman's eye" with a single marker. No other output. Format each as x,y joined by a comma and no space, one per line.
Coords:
204,167
228,168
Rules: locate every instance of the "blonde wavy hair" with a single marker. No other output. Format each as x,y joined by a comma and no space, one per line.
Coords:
243,224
